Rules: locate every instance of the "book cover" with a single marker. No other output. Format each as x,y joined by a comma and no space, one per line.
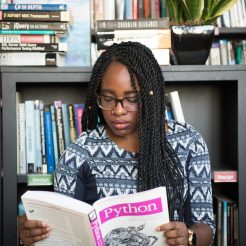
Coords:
112,220
32,59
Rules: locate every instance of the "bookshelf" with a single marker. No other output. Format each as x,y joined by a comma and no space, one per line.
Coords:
212,98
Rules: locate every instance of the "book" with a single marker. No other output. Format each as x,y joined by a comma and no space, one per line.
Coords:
33,47
111,25
7,15
33,32
54,133
49,144
72,125
78,112
39,7
32,59
26,25
65,116
119,219
152,38
25,38
174,100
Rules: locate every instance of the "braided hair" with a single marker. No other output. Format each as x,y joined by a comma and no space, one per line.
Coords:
158,164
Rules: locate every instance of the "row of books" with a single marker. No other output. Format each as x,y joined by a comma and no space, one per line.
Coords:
45,25
31,34
129,9
44,131
226,217
235,17
227,52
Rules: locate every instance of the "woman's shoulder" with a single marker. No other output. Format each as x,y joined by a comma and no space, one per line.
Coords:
175,127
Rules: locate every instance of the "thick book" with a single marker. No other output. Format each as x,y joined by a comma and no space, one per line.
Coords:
26,25
117,220
7,15
33,47
111,25
33,32
32,59
152,38
33,7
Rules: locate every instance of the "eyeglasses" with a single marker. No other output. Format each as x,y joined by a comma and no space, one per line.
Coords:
110,103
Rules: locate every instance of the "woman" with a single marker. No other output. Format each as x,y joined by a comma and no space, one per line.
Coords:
128,146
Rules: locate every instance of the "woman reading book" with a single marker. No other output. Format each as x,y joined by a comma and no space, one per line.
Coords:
127,145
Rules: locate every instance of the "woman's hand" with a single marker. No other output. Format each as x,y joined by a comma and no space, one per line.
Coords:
31,231
176,233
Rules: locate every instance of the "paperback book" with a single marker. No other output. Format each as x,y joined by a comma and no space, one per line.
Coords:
125,219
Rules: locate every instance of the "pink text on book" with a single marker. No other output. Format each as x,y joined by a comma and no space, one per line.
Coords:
149,207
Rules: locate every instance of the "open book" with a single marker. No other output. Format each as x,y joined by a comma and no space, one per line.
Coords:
117,220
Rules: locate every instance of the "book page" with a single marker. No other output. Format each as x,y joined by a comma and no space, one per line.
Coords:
132,219
73,222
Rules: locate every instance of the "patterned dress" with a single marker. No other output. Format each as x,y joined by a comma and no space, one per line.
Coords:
94,167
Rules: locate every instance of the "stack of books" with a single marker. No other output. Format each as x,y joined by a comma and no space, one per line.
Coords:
30,34
154,33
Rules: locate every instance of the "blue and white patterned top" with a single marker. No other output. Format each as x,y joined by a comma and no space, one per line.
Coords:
94,167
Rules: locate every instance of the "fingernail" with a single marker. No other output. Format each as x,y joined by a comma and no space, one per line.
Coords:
158,228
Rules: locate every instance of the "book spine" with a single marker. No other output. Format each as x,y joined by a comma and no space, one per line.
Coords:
34,7
66,124
225,205
140,9
34,15
49,145
78,112
128,9
54,133
120,6
59,126
24,38
43,152
30,135
34,32
38,156
135,9
110,25
31,59
98,10
21,25
33,47
72,123
146,8
109,9
21,133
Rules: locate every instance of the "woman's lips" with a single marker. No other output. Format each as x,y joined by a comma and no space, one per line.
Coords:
120,125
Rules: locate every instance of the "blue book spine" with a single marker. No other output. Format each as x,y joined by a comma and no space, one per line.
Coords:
54,132
32,7
128,9
66,124
49,145
225,205
48,32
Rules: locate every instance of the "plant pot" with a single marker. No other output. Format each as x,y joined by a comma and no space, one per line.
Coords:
191,44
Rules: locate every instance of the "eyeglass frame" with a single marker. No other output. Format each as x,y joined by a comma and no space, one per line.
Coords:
118,100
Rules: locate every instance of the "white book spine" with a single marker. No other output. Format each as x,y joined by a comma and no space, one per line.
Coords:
31,59
120,6
38,156
173,98
109,9
21,137
30,135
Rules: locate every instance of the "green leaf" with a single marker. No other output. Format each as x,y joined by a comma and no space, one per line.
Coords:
193,10
221,6
174,10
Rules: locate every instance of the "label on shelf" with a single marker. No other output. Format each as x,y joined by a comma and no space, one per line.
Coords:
39,179
225,176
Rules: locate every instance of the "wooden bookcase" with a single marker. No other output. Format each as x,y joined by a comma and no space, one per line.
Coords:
212,97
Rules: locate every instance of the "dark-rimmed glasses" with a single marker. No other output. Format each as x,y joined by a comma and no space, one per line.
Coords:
110,103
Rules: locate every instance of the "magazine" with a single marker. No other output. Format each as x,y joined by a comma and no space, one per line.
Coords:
117,220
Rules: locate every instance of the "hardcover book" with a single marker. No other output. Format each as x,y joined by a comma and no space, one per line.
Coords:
117,220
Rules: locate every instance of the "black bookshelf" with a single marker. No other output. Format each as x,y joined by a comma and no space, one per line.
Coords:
213,100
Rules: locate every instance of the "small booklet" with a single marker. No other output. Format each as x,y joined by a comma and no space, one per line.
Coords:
117,220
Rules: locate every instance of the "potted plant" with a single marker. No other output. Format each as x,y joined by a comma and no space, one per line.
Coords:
192,27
